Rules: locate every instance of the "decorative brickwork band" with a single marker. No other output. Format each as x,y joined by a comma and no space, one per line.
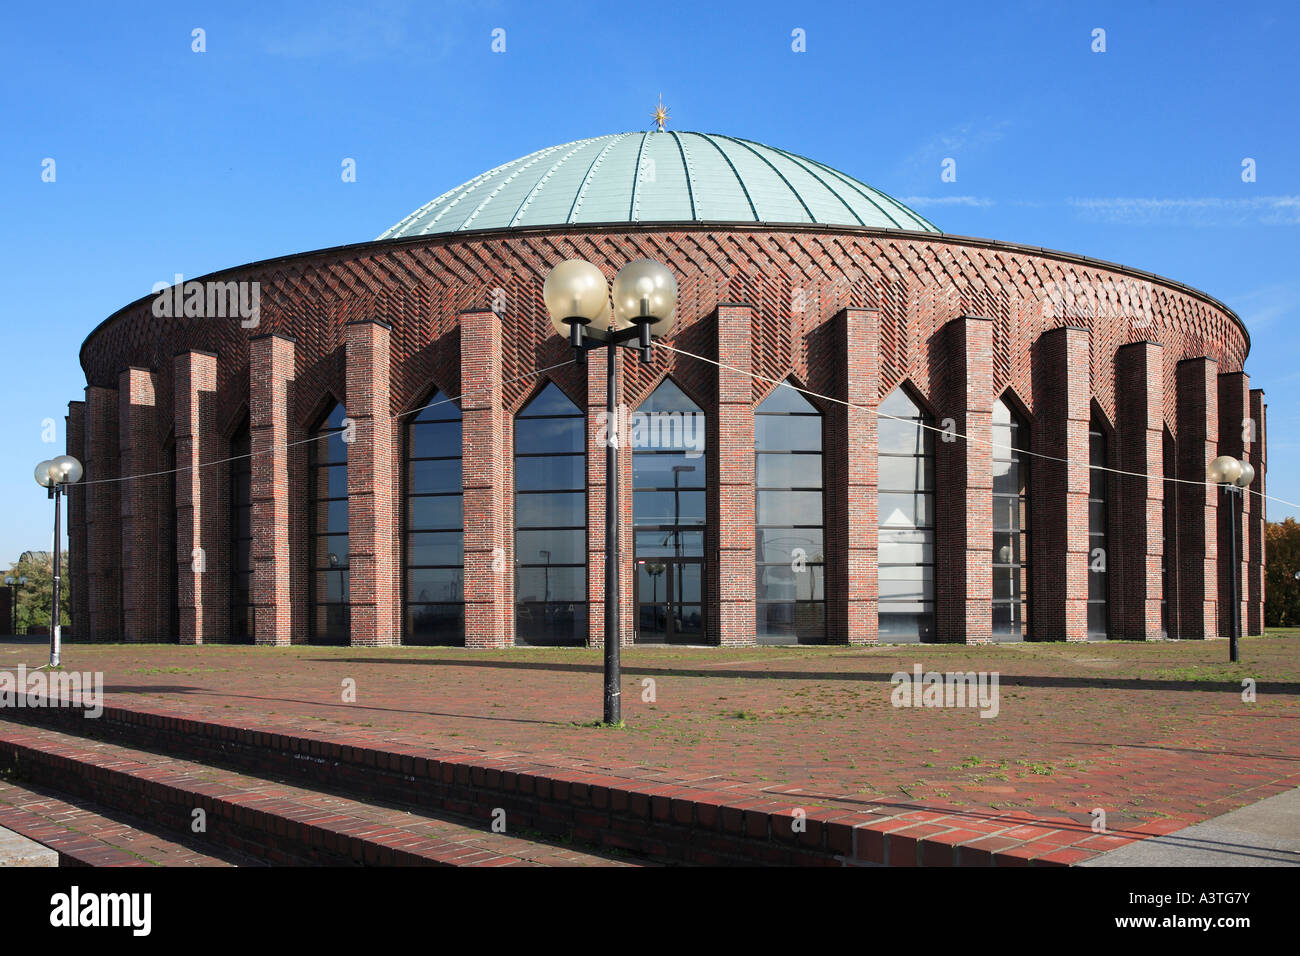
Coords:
1137,503
1253,588
271,378
202,503
489,545
1198,536
146,579
733,499
961,382
1058,521
1235,425
78,610
372,521
851,508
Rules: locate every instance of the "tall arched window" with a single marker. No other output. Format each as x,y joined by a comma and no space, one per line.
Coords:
330,620
1098,542
550,521
241,536
905,498
435,526
1010,524
667,438
789,550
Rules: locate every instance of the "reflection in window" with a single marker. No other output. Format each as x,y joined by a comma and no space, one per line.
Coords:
667,437
327,476
434,588
790,600
1098,548
1010,524
241,537
906,516
550,522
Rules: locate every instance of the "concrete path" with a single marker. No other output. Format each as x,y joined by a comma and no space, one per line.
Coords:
1264,834
17,850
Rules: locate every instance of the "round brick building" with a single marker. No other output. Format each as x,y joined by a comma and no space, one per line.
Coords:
388,443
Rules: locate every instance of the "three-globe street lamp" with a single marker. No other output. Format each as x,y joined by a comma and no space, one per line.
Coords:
1233,476
53,475
577,297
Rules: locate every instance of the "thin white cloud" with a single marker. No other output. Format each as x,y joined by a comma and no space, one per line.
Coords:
1196,211
920,202
964,139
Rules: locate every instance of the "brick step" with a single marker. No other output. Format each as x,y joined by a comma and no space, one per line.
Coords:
654,819
265,819
84,833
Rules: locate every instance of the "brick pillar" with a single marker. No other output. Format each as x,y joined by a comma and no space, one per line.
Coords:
1198,439
1136,504
372,512
271,377
79,611
489,551
145,579
202,502
103,591
1058,502
853,535
1235,425
732,496
961,381
1253,622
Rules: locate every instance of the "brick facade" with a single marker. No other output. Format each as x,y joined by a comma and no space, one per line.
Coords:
1137,503
1058,522
201,548
962,322
1198,503
372,511
271,382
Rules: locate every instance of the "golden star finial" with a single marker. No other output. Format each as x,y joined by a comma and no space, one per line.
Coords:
660,114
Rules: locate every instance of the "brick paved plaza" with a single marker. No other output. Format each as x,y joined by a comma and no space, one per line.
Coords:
1155,734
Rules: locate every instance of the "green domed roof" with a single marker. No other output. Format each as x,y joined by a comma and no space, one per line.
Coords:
658,177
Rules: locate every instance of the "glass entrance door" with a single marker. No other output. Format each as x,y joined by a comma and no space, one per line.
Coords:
670,600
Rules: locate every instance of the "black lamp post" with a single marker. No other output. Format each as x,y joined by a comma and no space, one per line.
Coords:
645,301
1233,477
53,475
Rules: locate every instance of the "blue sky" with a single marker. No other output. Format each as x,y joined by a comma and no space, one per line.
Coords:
173,161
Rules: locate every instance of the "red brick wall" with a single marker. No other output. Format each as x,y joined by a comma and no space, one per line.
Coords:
1136,503
961,383
372,506
79,610
145,580
1198,538
874,309
1058,505
270,402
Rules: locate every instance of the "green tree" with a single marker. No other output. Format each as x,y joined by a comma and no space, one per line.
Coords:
35,597
1281,589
